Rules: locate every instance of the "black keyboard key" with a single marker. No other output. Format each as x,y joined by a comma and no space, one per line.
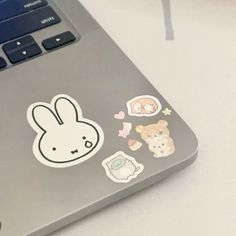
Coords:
11,8
18,44
3,63
28,23
58,40
21,49
24,53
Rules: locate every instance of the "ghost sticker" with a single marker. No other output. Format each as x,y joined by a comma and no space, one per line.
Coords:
121,168
64,138
144,105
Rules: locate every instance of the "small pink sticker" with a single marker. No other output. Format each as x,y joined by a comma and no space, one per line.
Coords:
134,145
120,115
126,130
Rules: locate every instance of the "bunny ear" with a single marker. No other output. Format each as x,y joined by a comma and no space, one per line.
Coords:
41,116
67,109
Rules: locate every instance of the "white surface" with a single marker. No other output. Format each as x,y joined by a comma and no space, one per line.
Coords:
196,73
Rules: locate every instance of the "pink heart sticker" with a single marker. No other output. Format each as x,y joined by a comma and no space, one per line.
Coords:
120,115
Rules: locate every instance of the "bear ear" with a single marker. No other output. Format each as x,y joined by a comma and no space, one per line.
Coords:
139,128
162,123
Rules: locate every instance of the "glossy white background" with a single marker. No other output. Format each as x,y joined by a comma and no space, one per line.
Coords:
196,73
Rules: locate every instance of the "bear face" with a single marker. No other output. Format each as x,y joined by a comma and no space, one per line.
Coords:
162,146
152,131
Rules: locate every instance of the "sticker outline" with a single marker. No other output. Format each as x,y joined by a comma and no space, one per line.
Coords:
159,106
139,167
41,132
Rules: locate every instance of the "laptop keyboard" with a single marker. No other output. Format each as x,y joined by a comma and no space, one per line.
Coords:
21,49
19,19
3,63
27,23
11,8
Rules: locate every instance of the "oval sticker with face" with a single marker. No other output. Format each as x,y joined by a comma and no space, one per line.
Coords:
144,105
64,138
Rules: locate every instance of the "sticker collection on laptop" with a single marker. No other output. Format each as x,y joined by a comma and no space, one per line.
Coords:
65,138
122,168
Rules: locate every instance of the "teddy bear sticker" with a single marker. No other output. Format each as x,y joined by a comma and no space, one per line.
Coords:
64,137
121,168
144,105
157,136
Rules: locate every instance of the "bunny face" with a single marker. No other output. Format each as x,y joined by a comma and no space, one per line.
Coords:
71,143
64,137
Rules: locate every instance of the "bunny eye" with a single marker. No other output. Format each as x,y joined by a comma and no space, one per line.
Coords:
54,149
83,137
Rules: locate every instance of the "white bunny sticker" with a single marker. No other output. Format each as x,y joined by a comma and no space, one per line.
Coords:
64,138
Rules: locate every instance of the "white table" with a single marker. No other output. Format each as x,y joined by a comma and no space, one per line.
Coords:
196,72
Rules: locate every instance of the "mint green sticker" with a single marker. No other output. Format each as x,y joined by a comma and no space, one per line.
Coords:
121,168
117,164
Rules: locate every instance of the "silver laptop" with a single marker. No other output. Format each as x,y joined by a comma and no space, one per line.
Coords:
80,126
